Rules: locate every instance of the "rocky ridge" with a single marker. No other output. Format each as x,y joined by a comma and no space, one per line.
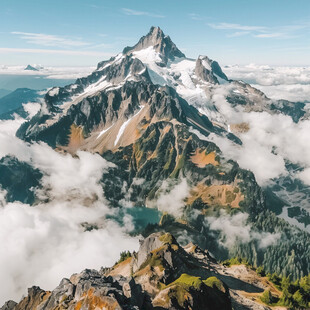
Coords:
161,275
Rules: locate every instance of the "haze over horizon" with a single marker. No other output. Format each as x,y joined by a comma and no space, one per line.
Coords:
75,33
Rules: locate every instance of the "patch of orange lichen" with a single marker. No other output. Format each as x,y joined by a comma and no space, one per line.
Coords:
201,159
216,195
91,301
76,137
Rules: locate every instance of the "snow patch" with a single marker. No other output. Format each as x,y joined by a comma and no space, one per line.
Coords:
123,127
103,131
54,91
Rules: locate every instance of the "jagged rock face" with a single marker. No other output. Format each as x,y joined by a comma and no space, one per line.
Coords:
110,109
207,70
161,43
166,151
157,280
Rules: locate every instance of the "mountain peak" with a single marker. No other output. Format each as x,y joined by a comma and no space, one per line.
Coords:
160,42
31,68
209,70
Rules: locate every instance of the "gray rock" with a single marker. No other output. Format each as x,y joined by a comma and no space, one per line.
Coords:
9,305
149,244
62,294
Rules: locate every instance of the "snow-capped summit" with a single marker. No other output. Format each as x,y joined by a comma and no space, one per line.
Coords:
209,70
161,44
118,89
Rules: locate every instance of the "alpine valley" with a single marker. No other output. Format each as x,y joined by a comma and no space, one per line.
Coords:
170,128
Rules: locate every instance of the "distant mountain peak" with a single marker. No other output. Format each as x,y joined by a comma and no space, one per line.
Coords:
209,70
31,68
160,42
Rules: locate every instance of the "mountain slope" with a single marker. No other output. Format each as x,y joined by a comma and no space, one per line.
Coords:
150,111
14,100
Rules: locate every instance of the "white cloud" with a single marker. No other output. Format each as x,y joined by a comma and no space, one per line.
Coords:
272,139
229,26
32,108
52,51
49,72
141,13
41,244
238,34
263,32
290,83
49,40
171,197
195,16
235,228
270,35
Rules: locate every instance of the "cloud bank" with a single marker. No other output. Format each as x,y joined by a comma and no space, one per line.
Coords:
46,242
290,83
234,228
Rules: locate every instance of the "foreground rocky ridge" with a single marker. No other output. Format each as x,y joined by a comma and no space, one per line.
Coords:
161,275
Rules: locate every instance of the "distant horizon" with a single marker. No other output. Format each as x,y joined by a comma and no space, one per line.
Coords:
75,33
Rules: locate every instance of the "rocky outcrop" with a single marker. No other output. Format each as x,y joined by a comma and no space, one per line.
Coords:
161,43
209,70
9,305
161,275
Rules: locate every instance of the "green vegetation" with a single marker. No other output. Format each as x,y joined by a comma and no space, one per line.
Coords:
235,261
180,288
295,295
188,281
153,260
290,257
230,197
268,298
260,271
123,256
214,282
170,154
166,238
236,190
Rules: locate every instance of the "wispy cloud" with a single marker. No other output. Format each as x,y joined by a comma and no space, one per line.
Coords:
271,35
141,13
280,32
195,16
228,26
51,51
238,34
49,39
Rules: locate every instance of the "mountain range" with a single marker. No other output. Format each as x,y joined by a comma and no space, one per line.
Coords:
157,116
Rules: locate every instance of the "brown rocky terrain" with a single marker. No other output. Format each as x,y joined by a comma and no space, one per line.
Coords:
161,275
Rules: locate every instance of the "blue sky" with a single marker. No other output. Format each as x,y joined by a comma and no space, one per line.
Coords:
83,32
